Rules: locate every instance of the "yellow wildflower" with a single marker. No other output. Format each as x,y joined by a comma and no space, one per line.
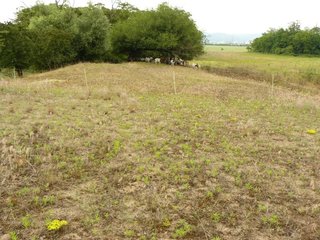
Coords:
56,224
311,131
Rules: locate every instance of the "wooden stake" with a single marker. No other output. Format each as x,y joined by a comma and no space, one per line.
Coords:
272,84
86,79
174,82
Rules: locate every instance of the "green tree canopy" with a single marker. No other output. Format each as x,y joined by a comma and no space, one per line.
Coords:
53,36
2,31
120,13
16,47
93,34
25,15
165,32
292,40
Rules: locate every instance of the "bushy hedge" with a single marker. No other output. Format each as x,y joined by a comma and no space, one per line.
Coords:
292,41
50,36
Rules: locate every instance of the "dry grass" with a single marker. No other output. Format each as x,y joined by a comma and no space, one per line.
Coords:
123,157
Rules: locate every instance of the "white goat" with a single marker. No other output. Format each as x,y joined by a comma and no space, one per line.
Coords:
157,60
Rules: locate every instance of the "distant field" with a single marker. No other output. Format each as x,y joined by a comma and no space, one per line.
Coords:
288,71
226,48
112,151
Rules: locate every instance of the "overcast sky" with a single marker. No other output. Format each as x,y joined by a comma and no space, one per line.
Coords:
226,16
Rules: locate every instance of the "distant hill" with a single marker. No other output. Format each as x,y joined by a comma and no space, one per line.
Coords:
226,38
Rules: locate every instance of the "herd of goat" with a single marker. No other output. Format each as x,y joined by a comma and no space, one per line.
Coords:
170,61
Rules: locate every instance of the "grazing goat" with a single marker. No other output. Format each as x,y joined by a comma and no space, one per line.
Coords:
157,60
180,62
195,65
148,59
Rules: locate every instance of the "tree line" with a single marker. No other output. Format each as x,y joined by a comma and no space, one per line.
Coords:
50,36
291,41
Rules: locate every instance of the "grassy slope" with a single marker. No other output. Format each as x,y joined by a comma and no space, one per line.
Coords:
121,156
288,70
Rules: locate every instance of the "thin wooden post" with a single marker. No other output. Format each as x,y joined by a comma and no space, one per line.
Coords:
272,85
86,80
174,82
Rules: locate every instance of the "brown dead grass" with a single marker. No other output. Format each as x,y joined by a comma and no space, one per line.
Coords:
120,156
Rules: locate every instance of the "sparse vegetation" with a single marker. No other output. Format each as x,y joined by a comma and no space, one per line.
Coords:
26,221
273,220
13,236
129,233
221,159
182,230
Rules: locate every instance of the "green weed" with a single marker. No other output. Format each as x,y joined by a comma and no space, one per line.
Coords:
216,238
116,147
182,230
13,236
166,223
26,221
272,220
216,217
262,208
129,233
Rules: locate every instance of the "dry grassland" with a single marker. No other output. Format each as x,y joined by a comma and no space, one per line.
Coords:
116,153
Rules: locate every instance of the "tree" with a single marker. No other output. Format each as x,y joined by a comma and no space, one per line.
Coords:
164,32
25,15
16,48
307,42
294,27
61,3
120,11
53,35
2,31
53,48
292,40
93,35
62,35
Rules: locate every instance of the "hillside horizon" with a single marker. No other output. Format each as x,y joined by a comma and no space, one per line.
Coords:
230,38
